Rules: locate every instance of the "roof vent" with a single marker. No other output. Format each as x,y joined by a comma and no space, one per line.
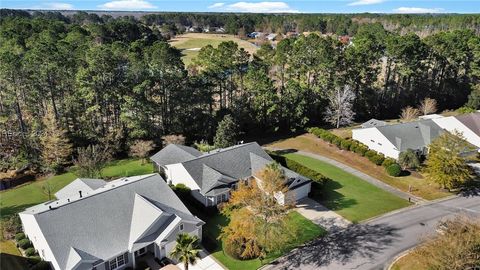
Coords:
80,192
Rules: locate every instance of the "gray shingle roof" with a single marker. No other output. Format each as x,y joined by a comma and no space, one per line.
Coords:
233,163
412,135
175,153
100,224
86,185
373,123
471,120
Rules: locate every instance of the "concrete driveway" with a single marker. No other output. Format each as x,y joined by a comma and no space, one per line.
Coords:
205,262
320,215
374,244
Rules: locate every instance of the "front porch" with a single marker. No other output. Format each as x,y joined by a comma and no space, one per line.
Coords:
150,262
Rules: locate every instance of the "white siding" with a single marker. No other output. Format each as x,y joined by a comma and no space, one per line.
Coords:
375,140
300,192
33,232
451,124
177,174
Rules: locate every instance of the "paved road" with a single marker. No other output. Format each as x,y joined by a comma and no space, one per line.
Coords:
374,244
368,178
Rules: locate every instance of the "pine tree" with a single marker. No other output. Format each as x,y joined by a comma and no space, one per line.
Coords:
56,148
227,133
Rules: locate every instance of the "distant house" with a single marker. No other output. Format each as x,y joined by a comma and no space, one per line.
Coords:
255,35
393,139
101,225
220,30
272,37
211,176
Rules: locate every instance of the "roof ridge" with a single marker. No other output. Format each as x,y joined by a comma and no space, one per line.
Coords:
222,150
99,191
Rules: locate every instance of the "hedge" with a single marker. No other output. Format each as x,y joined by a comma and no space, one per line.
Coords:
315,176
19,236
24,243
354,146
30,251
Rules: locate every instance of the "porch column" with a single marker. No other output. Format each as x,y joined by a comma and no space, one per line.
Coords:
134,263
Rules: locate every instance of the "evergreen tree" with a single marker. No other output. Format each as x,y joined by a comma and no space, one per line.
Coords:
56,148
227,133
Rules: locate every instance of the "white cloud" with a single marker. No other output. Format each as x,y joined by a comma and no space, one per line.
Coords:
216,5
365,2
261,7
56,6
418,10
127,5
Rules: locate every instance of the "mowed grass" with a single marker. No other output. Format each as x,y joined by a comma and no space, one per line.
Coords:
307,231
17,199
416,183
190,44
350,196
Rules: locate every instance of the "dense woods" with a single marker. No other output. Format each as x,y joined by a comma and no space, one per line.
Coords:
111,81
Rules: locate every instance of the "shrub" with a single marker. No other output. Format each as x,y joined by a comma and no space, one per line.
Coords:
30,251
182,188
361,150
394,170
388,161
370,153
346,144
315,176
19,236
409,159
24,243
377,159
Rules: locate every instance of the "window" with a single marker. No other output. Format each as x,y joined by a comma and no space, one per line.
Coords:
181,226
219,198
113,264
224,197
119,261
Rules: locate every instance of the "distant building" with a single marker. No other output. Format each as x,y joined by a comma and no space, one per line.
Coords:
255,35
272,37
220,30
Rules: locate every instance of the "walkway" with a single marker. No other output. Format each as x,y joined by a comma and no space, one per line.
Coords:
368,178
321,215
205,262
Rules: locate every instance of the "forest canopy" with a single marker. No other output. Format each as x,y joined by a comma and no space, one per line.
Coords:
117,80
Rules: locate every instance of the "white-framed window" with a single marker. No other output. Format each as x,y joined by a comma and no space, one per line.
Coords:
181,227
119,261
224,197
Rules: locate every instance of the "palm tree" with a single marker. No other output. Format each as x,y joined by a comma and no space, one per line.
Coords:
187,249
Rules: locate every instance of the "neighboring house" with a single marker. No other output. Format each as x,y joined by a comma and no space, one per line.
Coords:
107,227
255,35
393,139
211,176
272,37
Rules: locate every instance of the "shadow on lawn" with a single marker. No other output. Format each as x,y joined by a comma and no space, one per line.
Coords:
357,240
7,211
333,199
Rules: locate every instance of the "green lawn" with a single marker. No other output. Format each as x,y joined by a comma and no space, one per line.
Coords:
350,196
308,231
17,199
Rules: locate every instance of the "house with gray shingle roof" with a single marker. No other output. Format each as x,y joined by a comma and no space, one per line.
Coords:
110,226
393,139
212,175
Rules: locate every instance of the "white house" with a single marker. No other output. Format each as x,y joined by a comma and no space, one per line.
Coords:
111,226
393,139
211,176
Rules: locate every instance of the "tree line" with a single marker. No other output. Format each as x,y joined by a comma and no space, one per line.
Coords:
114,81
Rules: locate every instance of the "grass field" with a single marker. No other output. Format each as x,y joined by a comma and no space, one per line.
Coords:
17,199
309,143
191,43
308,231
350,196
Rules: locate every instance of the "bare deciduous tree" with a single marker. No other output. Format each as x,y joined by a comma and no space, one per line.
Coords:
339,111
428,106
141,149
409,113
48,189
173,139
91,160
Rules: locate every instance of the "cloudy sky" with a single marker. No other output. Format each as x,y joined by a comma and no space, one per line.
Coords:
293,6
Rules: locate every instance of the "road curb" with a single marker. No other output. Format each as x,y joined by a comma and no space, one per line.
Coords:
398,257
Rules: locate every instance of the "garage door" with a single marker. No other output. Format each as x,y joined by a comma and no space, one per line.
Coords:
301,192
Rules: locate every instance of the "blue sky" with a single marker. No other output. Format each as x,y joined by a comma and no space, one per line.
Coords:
303,6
